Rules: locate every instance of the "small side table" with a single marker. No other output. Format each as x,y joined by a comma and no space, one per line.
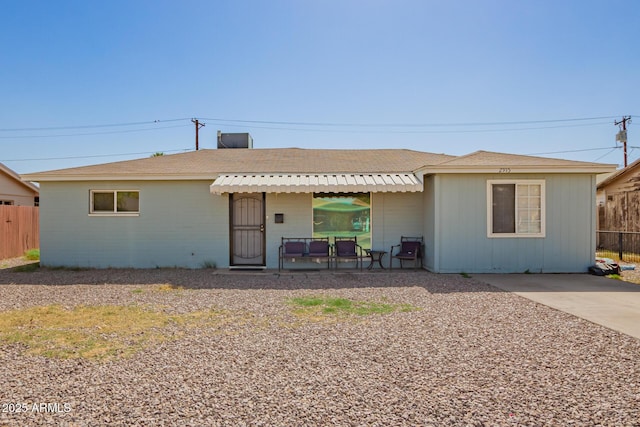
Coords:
376,256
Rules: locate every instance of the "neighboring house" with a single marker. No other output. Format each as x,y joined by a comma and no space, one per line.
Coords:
483,212
15,191
618,199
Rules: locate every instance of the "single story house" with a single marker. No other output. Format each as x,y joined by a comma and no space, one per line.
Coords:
482,212
14,191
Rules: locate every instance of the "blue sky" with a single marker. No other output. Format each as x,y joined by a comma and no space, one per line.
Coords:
86,82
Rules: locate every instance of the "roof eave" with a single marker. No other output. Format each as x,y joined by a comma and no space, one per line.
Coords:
12,174
619,174
44,177
518,169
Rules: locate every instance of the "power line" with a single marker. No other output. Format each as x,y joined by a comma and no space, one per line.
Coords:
606,154
413,131
353,131
90,133
328,124
408,124
571,151
90,126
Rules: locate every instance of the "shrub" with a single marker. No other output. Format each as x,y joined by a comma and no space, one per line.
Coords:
32,254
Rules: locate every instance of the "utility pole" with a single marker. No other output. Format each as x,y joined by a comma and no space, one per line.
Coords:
622,135
198,126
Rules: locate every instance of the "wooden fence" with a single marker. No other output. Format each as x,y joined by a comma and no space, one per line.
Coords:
19,230
620,212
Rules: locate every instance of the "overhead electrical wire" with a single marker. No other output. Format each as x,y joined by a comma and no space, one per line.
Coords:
415,131
571,151
98,155
351,131
384,128
90,133
244,122
88,126
510,123
606,154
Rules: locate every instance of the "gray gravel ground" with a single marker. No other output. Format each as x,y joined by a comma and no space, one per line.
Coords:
472,356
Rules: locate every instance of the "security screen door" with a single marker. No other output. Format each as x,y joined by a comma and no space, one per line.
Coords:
247,229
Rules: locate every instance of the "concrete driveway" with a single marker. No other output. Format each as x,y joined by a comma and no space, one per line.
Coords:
607,302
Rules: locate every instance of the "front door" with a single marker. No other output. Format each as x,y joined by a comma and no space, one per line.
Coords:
247,229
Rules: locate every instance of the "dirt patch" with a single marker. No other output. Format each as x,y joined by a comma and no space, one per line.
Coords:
15,262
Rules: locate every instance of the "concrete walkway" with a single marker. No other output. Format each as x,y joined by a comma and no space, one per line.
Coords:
607,302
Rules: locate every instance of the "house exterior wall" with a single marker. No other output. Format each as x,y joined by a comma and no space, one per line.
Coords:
429,222
394,215
298,221
12,190
180,224
461,243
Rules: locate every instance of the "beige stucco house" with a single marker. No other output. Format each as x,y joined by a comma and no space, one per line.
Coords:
15,191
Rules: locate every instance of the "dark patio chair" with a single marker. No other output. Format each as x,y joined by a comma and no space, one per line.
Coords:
409,249
291,250
347,248
320,249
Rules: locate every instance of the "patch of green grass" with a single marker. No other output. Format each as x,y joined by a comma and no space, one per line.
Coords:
137,291
91,332
314,306
465,275
614,276
32,255
307,301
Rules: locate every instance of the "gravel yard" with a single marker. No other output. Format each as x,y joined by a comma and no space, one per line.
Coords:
470,356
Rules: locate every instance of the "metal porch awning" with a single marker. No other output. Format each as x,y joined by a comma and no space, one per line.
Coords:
316,183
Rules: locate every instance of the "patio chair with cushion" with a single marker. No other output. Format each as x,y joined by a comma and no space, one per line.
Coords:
348,249
320,249
290,250
409,249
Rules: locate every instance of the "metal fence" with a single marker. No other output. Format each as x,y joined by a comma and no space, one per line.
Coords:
618,245
19,230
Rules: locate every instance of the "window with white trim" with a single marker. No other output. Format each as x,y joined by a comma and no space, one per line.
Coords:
114,202
515,208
